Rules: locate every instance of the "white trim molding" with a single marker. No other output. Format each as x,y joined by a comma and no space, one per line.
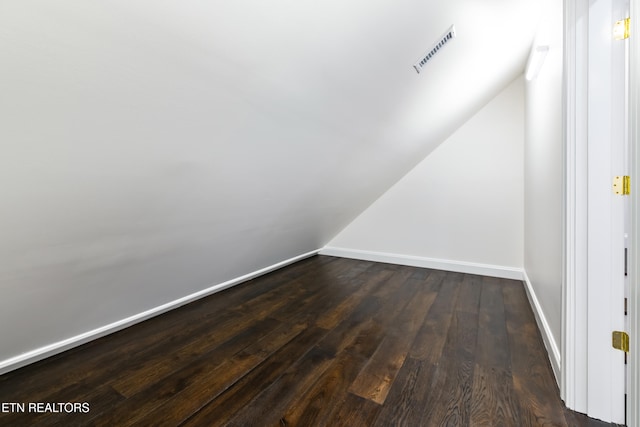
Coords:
437,264
633,398
61,346
573,380
592,373
543,325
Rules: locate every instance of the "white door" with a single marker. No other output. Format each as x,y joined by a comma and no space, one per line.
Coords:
633,384
607,211
594,372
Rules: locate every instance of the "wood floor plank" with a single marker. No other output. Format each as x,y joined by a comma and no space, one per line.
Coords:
317,303
221,375
319,403
354,411
437,394
376,378
368,323
268,302
270,406
235,398
172,359
187,390
493,397
431,337
493,402
346,306
360,333
532,375
469,294
420,347
493,345
451,397
405,402
397,288
350,270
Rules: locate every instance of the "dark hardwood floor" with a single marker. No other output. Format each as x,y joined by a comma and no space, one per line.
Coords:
324,342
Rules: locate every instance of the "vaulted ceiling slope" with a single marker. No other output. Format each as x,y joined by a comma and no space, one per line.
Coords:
150,149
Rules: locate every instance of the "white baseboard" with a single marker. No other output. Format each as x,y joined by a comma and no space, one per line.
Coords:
60,346
437,264
547,336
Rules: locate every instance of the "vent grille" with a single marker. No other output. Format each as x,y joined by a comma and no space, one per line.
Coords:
443,40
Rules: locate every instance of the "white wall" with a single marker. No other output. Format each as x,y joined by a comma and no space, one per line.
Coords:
544,183
142,160
150,150
462,204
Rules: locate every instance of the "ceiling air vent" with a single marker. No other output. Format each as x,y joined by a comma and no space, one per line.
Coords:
443,40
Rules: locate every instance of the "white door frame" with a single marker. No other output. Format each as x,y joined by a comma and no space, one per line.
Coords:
592,379
573,380
633,386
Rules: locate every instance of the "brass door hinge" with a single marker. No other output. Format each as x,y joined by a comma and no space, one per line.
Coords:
622,185
620,341
622,29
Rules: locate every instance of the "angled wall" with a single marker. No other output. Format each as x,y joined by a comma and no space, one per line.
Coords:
140,166
462,207
153,151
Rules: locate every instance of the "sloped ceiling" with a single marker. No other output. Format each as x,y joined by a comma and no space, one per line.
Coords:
150,149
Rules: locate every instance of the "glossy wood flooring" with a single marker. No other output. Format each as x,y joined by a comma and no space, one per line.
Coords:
324,342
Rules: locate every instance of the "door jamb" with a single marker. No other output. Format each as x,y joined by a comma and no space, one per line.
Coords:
573,381
633,384
574,373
